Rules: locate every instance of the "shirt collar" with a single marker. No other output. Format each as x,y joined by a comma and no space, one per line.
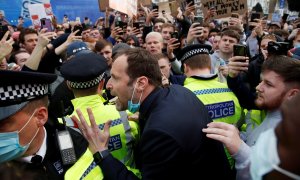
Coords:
41,152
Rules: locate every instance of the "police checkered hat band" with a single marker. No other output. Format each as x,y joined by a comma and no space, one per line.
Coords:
194,52
86,84
18,93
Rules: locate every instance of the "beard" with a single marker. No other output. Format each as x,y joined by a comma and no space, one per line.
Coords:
294,5
121,106
268,105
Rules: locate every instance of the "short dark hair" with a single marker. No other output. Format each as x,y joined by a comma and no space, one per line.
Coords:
159,20
214,30
167,25
141,63
24,32
199,61
33,104
288,68
231,33
12,58
102,44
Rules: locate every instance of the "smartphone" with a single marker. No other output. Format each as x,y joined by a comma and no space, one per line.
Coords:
175,35
136,25
284,48
254,16
120,24
198,19
46,23
239,50
155,7
3,30
78,27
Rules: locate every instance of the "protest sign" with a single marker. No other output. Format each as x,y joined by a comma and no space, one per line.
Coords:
103,4
26,3
173,8
128,7
224,8
39,11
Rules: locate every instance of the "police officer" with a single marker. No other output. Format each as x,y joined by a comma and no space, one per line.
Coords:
220,101
85,75
25,136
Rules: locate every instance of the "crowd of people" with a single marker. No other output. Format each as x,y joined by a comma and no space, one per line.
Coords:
151,97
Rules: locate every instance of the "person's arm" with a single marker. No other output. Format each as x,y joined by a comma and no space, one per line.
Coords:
185,25
114,34
195,31
71,38
229,135
98,143
242,162
156,162
35,58
236,65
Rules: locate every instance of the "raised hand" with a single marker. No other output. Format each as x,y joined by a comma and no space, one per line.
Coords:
228,134
98,140
237,64
5,46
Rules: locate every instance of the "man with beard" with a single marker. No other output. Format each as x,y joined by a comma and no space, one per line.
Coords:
280,81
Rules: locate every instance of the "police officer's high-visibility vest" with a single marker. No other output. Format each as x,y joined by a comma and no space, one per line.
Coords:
123,135
220,101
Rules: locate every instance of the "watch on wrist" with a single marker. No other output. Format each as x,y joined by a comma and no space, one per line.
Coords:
99,156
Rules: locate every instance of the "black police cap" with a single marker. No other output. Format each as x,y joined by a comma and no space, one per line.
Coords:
193,50
84,70
17,88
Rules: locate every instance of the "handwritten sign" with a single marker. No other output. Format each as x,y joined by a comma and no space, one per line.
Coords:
224,8
128,7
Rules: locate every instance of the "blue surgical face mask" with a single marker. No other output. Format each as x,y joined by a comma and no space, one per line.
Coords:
10,147
297,45
264,157
133,108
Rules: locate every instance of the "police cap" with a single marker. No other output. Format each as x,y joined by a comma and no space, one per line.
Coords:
17,88
193,50
84,71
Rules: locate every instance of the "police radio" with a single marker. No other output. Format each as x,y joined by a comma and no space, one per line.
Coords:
65,144
66,147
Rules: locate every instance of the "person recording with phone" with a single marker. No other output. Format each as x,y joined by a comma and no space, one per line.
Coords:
198,33
246,81
220,58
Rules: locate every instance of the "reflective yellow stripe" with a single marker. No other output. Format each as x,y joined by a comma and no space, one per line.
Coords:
78,169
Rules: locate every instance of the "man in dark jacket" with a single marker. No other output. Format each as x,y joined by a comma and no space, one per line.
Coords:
171,145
